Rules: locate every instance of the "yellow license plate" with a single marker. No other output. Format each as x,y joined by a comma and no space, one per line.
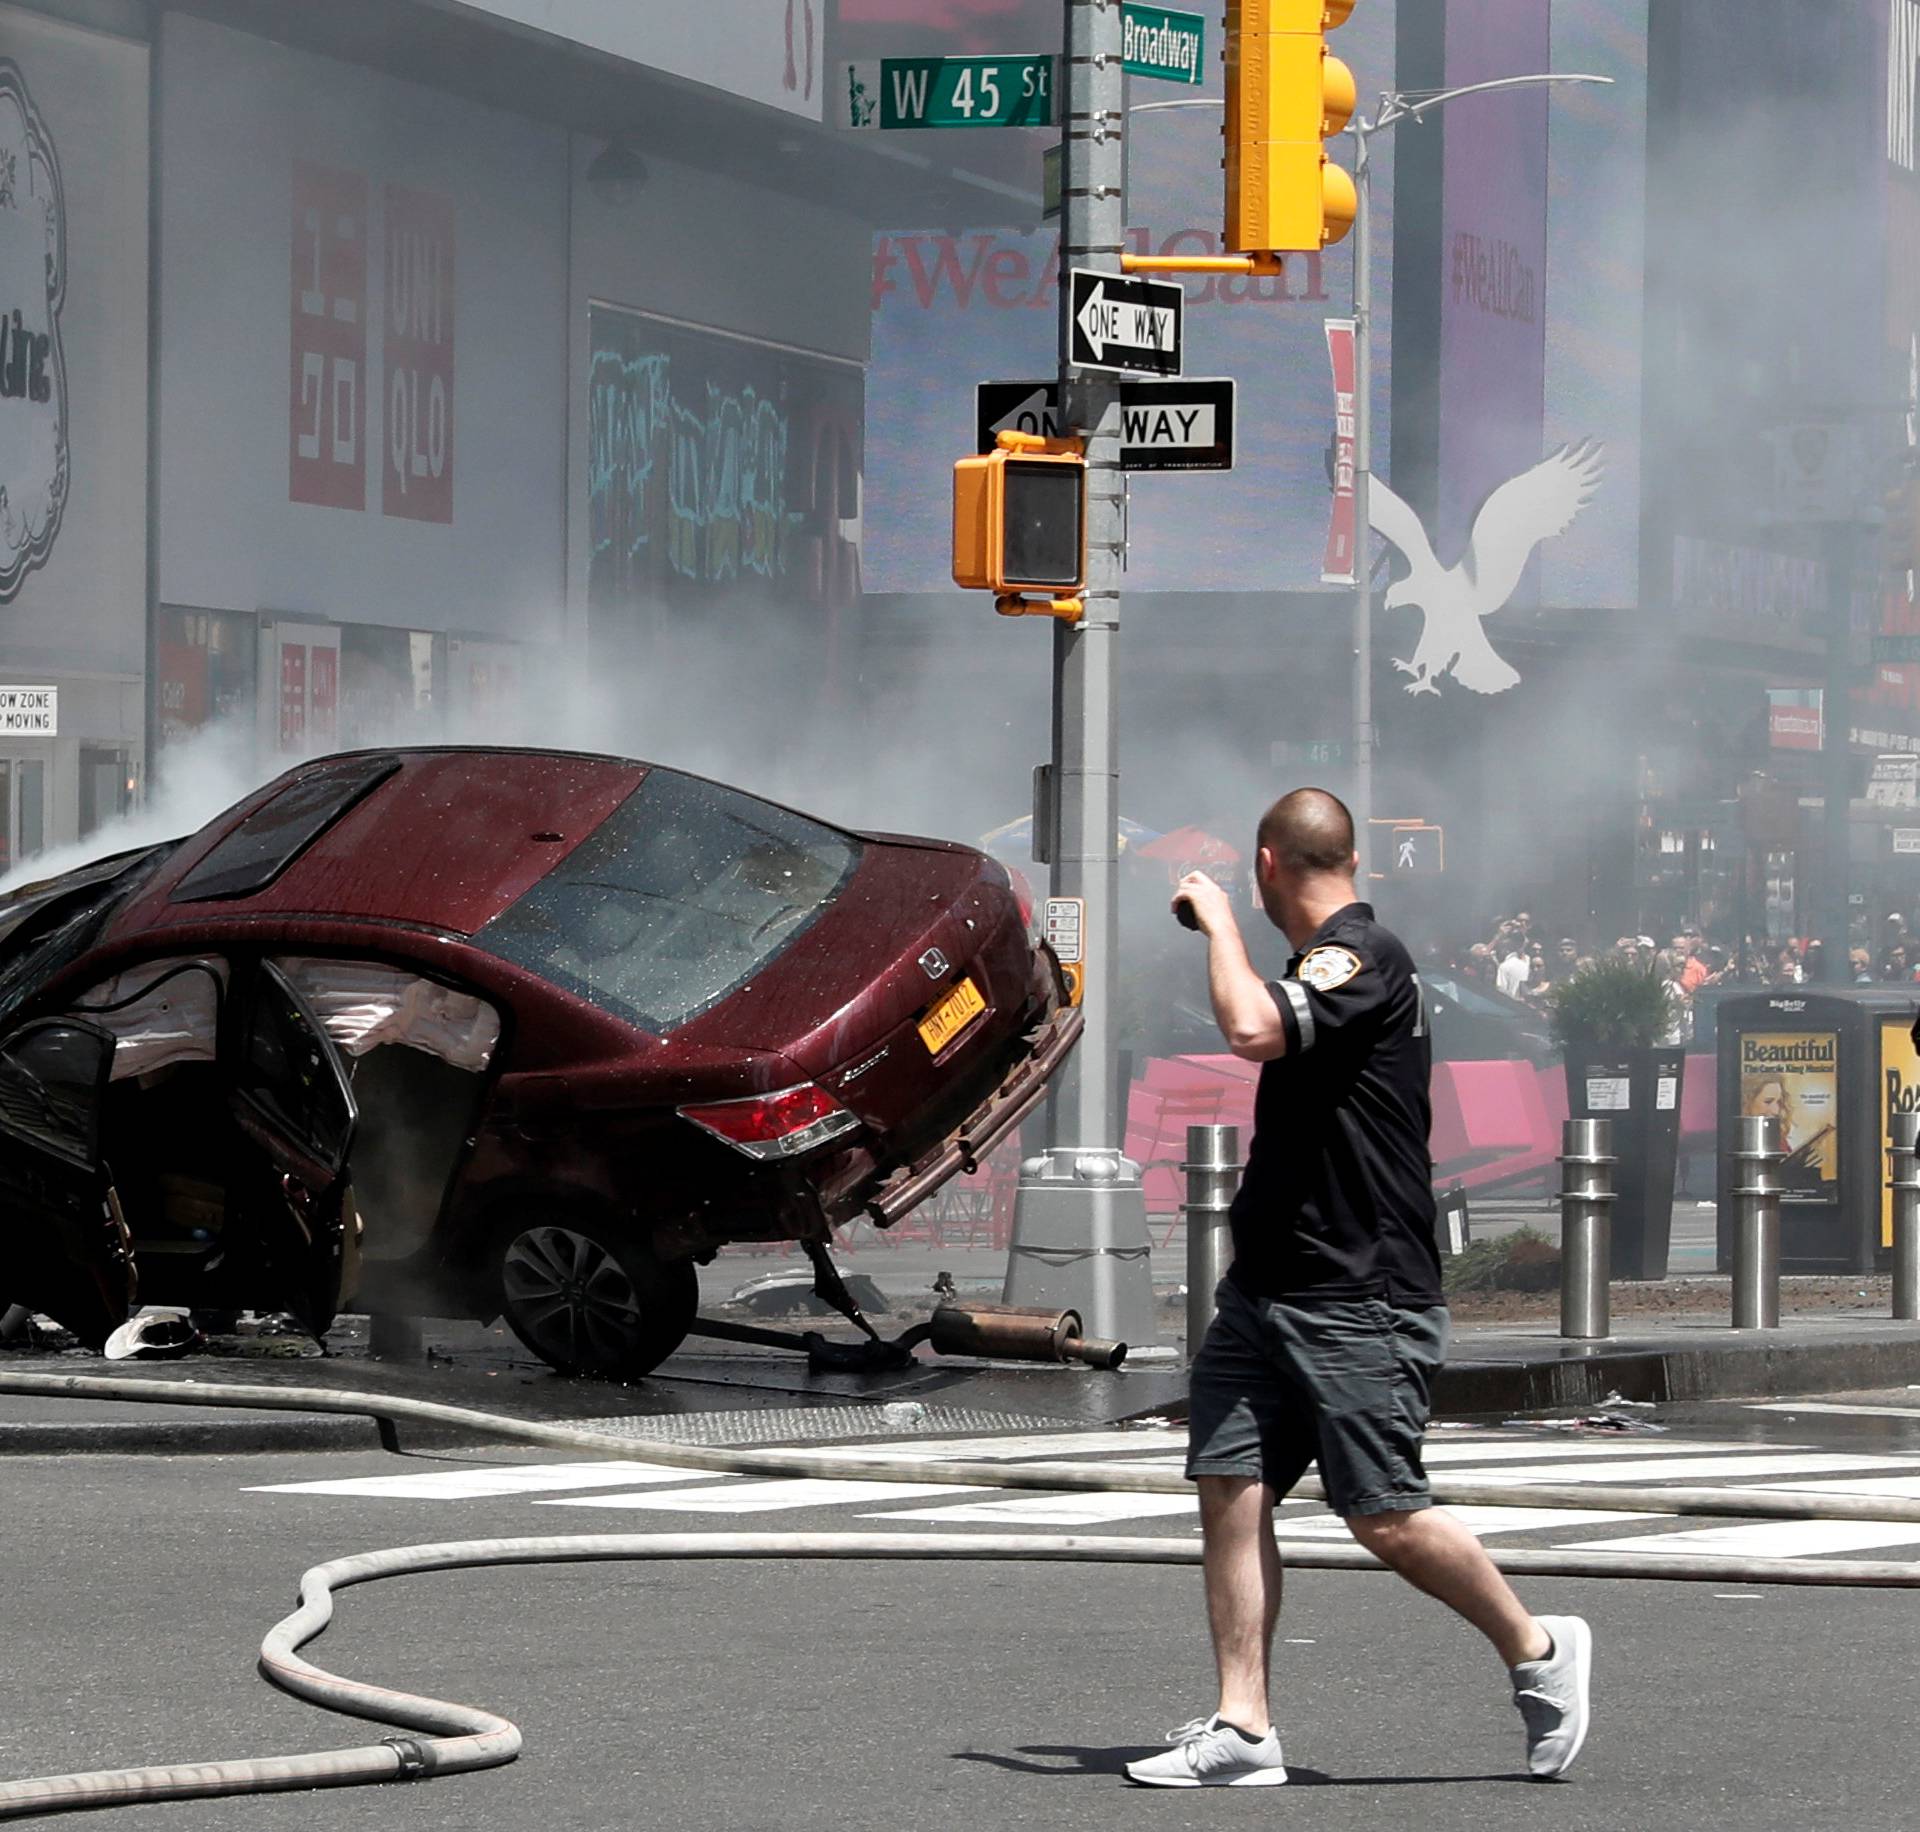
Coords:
956,1010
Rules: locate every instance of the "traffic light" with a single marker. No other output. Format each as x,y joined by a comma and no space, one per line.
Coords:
1020,524
1285,95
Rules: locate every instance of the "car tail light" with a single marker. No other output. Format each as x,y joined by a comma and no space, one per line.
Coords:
775,1125
1022,895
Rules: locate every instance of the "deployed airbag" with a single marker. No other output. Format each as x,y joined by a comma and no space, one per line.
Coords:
364,1005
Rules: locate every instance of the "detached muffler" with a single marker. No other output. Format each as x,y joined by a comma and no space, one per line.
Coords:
1011,1332
994,1332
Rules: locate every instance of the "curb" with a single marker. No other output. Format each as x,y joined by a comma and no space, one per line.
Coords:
1748,1369
209,1437
1751,1368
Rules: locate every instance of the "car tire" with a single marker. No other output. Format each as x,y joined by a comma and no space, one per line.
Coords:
587,1301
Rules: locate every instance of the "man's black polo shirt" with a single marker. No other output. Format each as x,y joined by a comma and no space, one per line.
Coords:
1337,1199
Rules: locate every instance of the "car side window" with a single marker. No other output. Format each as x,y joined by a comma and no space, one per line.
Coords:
284,1070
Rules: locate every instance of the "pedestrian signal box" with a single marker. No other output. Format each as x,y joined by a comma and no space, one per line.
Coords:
1020,524
1419,851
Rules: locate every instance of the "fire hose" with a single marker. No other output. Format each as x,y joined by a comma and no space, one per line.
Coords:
435,1736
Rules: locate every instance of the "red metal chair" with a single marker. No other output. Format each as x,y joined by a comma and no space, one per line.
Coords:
1157,1122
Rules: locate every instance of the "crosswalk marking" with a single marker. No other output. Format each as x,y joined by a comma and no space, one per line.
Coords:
1803,1463
1764,1539
638,1486
1481,1521
1836,1409
1549,1445
1038,1445
1894,1487
761,1497
1090,1510
484,1483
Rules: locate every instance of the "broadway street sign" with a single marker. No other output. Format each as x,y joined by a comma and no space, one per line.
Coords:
1011,91
1125,324
1163,43
1185,424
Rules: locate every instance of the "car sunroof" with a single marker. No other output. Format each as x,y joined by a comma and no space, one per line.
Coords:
273,836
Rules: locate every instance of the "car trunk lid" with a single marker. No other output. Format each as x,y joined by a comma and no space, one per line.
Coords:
917,929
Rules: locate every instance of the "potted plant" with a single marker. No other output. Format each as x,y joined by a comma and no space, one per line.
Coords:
1608,1020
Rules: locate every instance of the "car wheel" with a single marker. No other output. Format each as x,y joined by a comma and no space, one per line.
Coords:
587,1302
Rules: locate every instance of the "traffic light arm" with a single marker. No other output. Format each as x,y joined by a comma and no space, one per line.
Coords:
1266,265
1397,107
1068,610
1008,440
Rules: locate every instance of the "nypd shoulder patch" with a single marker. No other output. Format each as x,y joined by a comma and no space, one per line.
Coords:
1327,968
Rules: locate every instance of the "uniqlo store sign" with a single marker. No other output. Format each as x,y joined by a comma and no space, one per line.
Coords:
340,227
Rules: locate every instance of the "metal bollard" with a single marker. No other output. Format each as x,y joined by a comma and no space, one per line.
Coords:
1756,1222
1905,1132
1586,1228
1213,1174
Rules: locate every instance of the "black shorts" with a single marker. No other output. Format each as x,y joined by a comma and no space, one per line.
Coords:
1346,1383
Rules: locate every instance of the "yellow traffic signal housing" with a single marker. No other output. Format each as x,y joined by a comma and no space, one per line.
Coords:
1285,96
1020,523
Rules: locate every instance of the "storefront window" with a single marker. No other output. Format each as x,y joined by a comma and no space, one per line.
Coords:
205,670
31,831
106,786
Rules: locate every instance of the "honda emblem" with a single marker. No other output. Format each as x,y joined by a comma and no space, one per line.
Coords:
934,964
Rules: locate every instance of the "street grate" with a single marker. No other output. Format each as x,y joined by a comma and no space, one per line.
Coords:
818,1424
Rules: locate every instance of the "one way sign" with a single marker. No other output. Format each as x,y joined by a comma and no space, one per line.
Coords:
1184,424
1125,324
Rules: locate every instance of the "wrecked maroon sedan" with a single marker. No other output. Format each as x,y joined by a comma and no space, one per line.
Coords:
496,1032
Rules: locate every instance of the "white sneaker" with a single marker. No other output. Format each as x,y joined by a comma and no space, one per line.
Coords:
1209,1753
1552,1696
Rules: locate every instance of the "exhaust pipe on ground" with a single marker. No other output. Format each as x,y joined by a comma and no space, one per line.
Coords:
1012,1332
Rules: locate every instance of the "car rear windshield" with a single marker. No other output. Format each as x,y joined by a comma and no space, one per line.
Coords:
279,831
674,901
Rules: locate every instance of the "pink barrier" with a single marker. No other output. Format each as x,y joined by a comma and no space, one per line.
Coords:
1494,1123
1699,1102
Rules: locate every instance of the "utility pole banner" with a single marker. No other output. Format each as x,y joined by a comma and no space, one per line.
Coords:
1342,530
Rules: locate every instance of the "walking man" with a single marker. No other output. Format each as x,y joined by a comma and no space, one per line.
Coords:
1331,1324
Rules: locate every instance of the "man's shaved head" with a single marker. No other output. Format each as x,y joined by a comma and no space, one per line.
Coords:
1309,831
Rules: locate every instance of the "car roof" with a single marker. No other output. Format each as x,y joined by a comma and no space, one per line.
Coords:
446,840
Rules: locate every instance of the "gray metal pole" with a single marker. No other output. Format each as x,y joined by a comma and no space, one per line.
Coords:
1586,1228
1213,1174
1906,1216
1362,490
1836,761
1757,1157
1080,1217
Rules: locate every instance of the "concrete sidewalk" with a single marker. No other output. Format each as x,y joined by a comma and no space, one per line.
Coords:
1494,1369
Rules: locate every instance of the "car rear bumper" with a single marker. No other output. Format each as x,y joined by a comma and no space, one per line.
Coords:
986,1126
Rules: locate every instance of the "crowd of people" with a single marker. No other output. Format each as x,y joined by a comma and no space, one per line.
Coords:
1525,963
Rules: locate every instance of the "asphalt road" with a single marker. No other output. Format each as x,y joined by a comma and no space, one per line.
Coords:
883,1696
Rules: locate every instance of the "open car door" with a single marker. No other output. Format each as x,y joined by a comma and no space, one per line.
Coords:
64,1247
288,1093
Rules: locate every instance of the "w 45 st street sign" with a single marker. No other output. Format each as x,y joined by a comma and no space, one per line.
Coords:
1010,91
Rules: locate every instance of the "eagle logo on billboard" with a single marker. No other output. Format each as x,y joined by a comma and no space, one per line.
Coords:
1512,522
34,462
